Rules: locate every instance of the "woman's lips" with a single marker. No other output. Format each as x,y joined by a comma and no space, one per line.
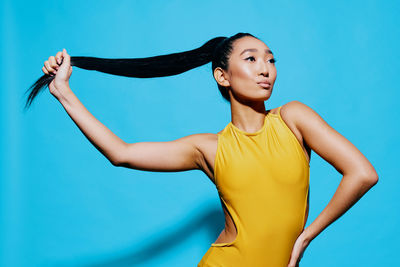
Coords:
265,84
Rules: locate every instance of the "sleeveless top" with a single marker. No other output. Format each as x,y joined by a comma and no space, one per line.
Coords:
262,179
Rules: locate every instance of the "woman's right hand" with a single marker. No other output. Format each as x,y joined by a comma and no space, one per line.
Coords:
60,66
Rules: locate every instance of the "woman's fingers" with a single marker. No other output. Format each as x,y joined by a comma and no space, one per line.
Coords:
48,67
59,57
52,64
66,57
45,70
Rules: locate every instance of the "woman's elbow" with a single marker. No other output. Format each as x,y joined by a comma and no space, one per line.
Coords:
116,160
374,179
118,157
370,177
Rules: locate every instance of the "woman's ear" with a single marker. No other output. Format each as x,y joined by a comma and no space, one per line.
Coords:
221,77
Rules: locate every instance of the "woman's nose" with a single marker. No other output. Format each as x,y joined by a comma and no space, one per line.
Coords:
264,69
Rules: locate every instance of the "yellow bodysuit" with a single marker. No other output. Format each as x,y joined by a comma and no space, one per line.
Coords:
262,179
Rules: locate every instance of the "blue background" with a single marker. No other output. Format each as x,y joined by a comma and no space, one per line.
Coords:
64,204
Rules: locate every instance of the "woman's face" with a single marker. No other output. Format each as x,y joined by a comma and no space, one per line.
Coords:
251,67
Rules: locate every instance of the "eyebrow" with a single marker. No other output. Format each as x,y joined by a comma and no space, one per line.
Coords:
255,50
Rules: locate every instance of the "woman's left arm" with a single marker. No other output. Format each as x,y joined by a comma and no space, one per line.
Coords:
358,173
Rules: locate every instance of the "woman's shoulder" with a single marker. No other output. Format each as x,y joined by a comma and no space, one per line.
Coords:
287,107
293,106
289,112
203,140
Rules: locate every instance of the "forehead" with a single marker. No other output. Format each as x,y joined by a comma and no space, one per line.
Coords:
248,42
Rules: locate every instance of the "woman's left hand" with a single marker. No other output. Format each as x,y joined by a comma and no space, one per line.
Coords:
298,249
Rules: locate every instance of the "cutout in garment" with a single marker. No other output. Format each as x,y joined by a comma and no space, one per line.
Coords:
262,179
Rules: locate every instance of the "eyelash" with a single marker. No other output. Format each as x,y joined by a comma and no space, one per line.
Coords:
273,59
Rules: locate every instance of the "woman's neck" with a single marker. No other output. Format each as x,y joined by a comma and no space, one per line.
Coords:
248,117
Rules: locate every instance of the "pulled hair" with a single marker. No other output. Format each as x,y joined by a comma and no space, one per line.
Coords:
216,50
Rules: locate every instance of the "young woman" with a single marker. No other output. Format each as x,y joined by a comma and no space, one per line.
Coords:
259,162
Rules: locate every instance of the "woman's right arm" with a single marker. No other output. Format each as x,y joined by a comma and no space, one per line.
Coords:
178,155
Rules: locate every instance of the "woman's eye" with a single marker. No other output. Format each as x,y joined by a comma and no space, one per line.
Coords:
272,60
250,57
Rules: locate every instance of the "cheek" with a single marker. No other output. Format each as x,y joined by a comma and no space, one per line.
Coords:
242,75
274,73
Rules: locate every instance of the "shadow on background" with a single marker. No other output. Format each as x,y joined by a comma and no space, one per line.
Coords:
210,219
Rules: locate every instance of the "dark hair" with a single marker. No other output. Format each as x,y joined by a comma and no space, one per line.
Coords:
216,50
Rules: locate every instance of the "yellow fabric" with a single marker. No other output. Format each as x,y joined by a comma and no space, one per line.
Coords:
262,178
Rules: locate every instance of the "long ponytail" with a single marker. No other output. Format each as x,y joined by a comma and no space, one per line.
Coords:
216,50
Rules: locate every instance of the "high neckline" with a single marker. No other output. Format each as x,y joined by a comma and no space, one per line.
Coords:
256,132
